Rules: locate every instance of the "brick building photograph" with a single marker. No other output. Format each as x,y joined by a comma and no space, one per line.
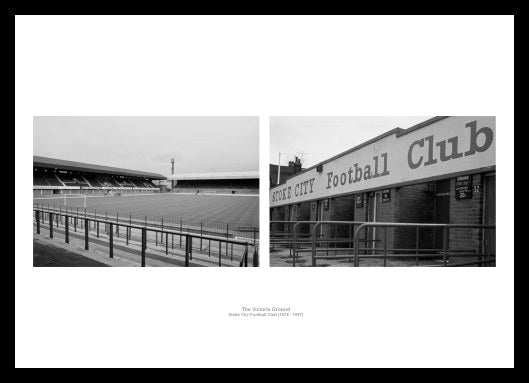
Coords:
383,191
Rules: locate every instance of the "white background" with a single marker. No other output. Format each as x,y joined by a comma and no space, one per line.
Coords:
264,66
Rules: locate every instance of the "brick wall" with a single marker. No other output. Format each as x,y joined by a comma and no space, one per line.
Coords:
414,204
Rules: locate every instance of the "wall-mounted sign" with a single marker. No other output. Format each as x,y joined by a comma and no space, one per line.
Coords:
386,195
446,146
359,200
464,187
326,204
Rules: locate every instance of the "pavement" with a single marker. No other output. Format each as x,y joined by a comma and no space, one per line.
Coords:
49,255
282,257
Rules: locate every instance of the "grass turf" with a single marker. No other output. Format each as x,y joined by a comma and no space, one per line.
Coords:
230,208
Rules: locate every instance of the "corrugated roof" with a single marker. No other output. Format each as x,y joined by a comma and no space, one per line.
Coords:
215,176
55,163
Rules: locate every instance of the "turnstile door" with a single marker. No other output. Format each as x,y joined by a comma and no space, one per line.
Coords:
442,210
489,218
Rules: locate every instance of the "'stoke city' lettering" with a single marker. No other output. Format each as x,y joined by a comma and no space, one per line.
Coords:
299,189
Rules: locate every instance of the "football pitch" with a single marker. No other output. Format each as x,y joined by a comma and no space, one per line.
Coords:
237,209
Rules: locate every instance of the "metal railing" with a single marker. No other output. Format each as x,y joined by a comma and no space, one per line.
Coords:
245,232
484,254
348,243
111,226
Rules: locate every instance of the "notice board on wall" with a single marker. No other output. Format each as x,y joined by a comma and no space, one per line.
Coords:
464,187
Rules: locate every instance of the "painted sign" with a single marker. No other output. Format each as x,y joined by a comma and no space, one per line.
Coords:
449,145
464,187
359,200
386,195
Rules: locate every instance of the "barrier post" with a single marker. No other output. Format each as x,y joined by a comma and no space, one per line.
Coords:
86,234
166,243
489,247
255,258
97,227
117,224
417,246
445,245
227,236
180,235
220,254
111,240
355,246
37,218
66,229
385,245
51,224
143,245
201,236
186,251
190,247
245,257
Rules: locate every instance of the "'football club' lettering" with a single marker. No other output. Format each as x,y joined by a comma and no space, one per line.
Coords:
357,173
397,159
416,156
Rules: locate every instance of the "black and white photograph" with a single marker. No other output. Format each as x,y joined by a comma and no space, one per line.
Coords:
360,167
383,191
146,191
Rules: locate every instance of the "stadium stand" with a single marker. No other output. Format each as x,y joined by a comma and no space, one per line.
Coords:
231,183
55,176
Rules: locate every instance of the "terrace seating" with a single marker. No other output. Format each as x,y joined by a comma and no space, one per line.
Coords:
92,180
73,180
108,182
138,183
42,178
219,184
39,180
124,182
52,180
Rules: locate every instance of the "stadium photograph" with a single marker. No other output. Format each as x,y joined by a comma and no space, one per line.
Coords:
383,191
146,191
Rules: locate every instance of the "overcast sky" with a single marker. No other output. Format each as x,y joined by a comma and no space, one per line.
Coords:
197,144
318,138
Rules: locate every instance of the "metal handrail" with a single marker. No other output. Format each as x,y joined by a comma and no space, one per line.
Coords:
318,224
144,229
445,227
